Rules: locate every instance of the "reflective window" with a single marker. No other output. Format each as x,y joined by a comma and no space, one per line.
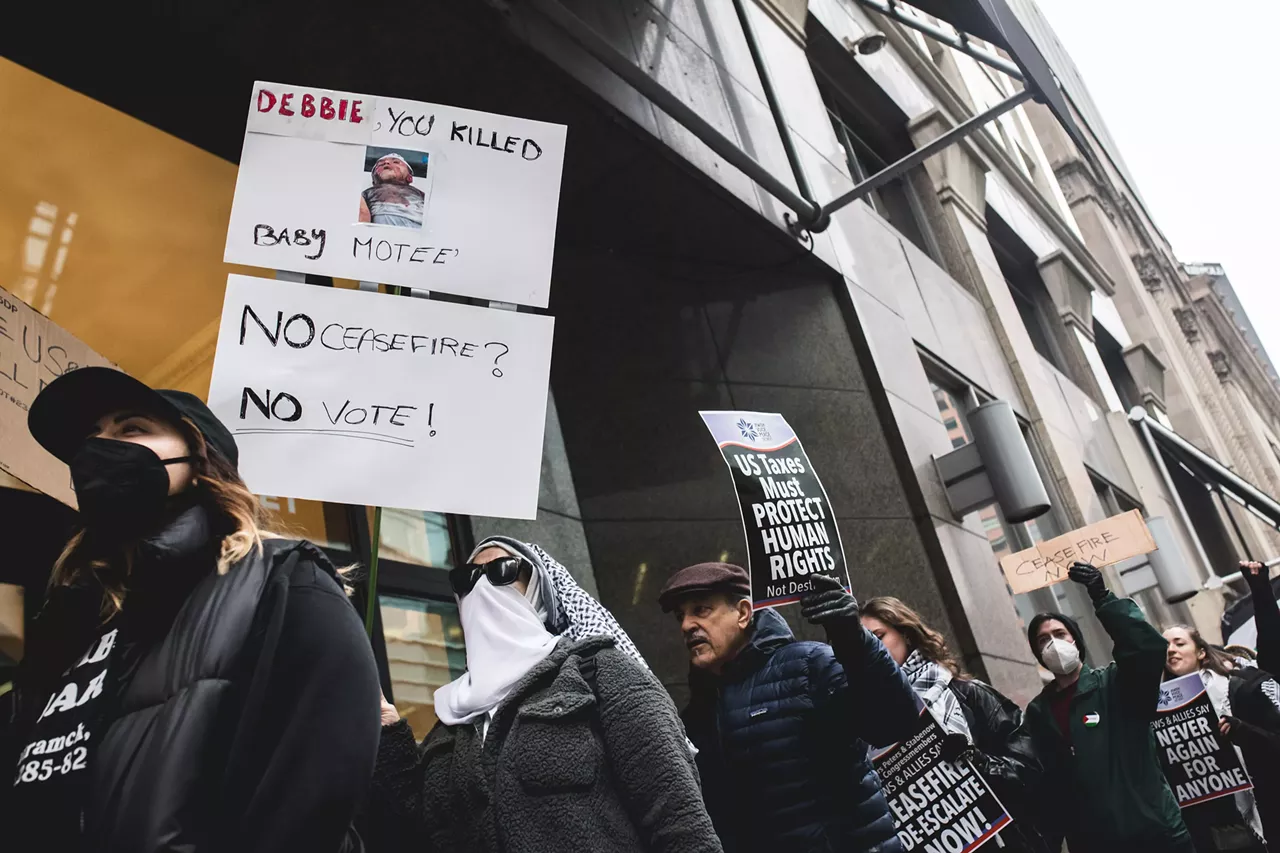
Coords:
420,538
424,652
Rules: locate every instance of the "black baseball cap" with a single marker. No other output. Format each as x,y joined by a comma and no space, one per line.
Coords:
66,410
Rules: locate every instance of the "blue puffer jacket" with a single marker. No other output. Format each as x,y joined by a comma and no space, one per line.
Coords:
782,737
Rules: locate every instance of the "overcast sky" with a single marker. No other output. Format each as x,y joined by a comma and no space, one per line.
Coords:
1188,90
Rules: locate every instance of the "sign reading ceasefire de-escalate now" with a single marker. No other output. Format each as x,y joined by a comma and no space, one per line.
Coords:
1100,544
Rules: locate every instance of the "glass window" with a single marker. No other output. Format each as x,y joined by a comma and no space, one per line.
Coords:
950,411
424,651
420,538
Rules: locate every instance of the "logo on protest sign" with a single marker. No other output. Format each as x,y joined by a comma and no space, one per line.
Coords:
786,516
1100,544
33,353
402,192
1199,764
360,398
937,805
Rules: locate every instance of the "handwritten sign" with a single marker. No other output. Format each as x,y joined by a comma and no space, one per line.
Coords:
33,353
1100,544
400,192
937,804
1198,761
338,395
786,516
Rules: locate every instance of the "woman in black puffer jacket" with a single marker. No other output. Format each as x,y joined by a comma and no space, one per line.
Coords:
986,727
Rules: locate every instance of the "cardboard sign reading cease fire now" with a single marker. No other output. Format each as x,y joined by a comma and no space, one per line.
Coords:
1100,544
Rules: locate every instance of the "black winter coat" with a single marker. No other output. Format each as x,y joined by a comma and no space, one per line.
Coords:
783,737
246,719
1257,730
1007,758
566,766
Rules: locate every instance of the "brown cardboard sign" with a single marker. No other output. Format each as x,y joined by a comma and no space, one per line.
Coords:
33,353
1100,544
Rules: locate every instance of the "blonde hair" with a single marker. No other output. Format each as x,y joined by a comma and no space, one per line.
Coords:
237,515
895,613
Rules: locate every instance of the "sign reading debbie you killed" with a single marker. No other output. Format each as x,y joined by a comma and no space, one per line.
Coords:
365,398
400,192
938,806
791,533
1198,761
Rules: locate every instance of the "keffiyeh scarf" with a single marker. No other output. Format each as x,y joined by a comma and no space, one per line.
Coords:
932,684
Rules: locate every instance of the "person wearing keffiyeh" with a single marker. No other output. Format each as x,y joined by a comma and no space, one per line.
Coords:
983,727
557,737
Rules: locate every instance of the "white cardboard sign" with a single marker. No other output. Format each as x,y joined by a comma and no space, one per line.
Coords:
361,398
400,192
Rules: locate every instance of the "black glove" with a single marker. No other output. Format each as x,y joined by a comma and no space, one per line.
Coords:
828,602
1256,575
1090,578
954,747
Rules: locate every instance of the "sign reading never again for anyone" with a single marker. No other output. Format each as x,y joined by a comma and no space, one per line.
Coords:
1198,762
33,353
786,517
1099,544
361,398
473,212
937,806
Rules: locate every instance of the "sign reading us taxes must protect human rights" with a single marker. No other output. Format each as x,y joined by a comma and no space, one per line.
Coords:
790,530
401,192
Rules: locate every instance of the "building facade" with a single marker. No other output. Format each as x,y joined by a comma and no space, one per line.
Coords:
982,274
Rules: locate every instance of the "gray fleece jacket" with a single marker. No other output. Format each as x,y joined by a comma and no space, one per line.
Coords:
562,768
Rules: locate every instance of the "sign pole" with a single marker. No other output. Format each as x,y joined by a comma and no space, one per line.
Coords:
373,570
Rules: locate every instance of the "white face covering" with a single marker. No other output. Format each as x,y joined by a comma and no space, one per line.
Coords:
505,639
1061,657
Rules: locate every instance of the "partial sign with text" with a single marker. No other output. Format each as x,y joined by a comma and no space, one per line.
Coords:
1100,544
33,353
399,192
937,805
786,516
360,398
1198,761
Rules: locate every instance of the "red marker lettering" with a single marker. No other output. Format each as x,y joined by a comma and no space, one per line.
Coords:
308,105
271,100
326,108
284,104
342,109
355,112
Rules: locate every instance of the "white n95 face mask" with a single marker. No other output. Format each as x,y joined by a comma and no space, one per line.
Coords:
1061,657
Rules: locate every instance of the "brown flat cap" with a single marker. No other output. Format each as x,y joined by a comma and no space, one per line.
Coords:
722,577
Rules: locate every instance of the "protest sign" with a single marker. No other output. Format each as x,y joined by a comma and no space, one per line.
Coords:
1100,544
33,353
1198,761
786,516
937,806
363,398
400,192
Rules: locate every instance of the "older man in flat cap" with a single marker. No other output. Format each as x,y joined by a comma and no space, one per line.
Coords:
783,726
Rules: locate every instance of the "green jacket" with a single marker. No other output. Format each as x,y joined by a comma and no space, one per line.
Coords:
1107,791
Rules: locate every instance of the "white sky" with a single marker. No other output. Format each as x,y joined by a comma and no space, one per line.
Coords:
1188,91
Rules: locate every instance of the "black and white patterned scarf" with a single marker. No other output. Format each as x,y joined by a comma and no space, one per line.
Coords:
931,683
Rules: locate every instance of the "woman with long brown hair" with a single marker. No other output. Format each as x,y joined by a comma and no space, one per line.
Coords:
983,726
193,681
1247,701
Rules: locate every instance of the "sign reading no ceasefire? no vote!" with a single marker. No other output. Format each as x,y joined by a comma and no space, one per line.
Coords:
366,398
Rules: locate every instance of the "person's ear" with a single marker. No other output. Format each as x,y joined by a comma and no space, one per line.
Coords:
744,612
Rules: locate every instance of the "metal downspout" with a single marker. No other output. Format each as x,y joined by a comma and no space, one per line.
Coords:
822,219
1138,416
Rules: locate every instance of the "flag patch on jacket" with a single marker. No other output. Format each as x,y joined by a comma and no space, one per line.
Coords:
1091,720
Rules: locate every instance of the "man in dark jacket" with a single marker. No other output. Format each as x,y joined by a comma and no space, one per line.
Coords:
1104,788
782,726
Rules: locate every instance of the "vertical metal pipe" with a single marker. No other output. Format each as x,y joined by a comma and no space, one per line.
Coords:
771,98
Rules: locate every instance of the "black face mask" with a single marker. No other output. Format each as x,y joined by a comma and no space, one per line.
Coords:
122,487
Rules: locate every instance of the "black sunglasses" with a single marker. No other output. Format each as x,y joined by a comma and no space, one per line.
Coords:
500,572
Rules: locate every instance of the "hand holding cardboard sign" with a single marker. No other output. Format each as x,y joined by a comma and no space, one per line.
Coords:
1090,578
